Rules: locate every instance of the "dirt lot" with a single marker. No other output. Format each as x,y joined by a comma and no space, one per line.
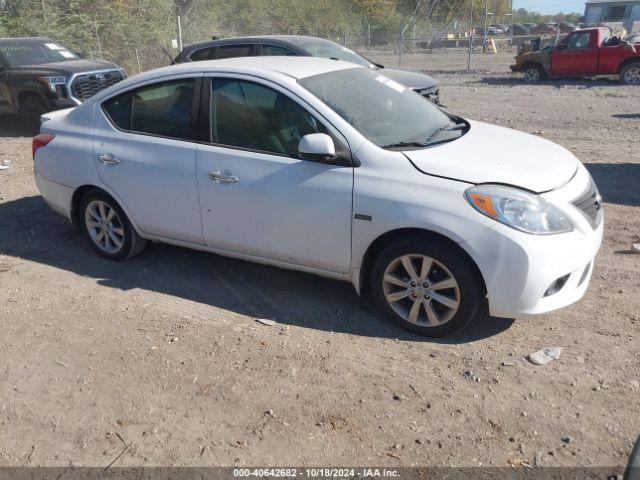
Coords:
164,350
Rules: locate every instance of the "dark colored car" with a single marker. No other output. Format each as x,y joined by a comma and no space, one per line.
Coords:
521,29
545,29
294,45
567,27
38,75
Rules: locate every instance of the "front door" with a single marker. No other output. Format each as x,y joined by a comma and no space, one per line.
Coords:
259,199
145,151
575,56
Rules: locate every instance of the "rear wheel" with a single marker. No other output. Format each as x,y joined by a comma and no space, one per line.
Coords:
107,227
31,110
630,74
534,74
426,287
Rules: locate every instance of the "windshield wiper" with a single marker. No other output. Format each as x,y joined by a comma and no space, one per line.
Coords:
405,144
452,127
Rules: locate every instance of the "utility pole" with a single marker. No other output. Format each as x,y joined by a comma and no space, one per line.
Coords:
470,34
95,24
486,19
511,29
179,32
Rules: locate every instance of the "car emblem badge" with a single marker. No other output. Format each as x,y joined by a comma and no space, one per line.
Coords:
100,77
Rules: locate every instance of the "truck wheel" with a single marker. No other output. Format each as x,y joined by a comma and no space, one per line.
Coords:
534,74
631,74
31,110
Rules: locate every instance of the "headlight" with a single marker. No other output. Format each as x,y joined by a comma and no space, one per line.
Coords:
518,209
52,82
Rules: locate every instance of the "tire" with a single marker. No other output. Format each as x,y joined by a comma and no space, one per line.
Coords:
534,74
633,468
31,110
630,75
107,227
462,300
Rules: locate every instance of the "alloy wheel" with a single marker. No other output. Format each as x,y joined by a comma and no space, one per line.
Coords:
632,76
532,75
104,227
421,290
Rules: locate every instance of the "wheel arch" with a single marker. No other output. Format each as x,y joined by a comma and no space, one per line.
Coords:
627,62
387,238
81,191
24,95
535,64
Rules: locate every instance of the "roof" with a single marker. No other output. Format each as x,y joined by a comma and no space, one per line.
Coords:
295,67
25,40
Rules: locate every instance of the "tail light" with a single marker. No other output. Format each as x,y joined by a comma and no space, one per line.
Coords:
39,141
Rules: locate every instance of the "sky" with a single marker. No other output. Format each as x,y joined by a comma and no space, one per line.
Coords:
551,6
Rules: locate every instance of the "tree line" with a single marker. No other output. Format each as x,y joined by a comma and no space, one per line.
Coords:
130,31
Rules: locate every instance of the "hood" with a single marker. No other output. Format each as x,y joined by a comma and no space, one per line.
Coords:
413,80
72,66
492,154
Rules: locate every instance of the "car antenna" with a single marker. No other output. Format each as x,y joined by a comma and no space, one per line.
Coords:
168,55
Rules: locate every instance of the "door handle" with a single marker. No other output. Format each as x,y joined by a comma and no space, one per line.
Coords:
108,159
223,177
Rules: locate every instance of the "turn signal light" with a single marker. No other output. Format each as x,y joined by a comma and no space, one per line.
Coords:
39,141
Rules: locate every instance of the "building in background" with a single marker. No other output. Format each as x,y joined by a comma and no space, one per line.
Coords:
621,12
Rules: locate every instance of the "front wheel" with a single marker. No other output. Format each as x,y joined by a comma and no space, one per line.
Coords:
107,227
426,287
630,74
534,74
31,110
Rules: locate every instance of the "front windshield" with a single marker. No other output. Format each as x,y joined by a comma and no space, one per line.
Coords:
384,111
325,49
22,53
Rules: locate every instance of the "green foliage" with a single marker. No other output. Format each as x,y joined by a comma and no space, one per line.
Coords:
130,32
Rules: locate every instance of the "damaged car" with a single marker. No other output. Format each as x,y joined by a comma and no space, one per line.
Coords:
587,52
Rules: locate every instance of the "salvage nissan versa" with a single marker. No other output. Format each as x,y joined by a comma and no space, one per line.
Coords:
331,168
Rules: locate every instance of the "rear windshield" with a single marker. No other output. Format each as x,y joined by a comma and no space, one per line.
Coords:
318,47
21,53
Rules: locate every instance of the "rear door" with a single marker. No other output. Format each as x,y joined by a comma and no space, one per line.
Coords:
257,197
145,152
576,55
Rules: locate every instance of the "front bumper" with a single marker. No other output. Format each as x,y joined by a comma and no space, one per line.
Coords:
520,269
518,68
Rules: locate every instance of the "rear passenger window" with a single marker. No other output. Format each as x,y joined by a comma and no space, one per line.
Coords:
272,50
233,51
203,54
165,109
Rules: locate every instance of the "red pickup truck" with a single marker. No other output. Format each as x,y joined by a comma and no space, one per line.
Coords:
587,52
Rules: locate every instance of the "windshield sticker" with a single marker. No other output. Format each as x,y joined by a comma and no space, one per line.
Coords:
67,54
390,83
53,46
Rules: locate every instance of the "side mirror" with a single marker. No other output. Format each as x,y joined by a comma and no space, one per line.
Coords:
318,147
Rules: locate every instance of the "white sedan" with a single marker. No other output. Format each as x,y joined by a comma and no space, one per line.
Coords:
327,167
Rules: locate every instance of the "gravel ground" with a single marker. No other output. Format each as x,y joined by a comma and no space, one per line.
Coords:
164,351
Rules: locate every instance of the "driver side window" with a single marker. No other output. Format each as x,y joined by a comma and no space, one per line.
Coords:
253,116
579,41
